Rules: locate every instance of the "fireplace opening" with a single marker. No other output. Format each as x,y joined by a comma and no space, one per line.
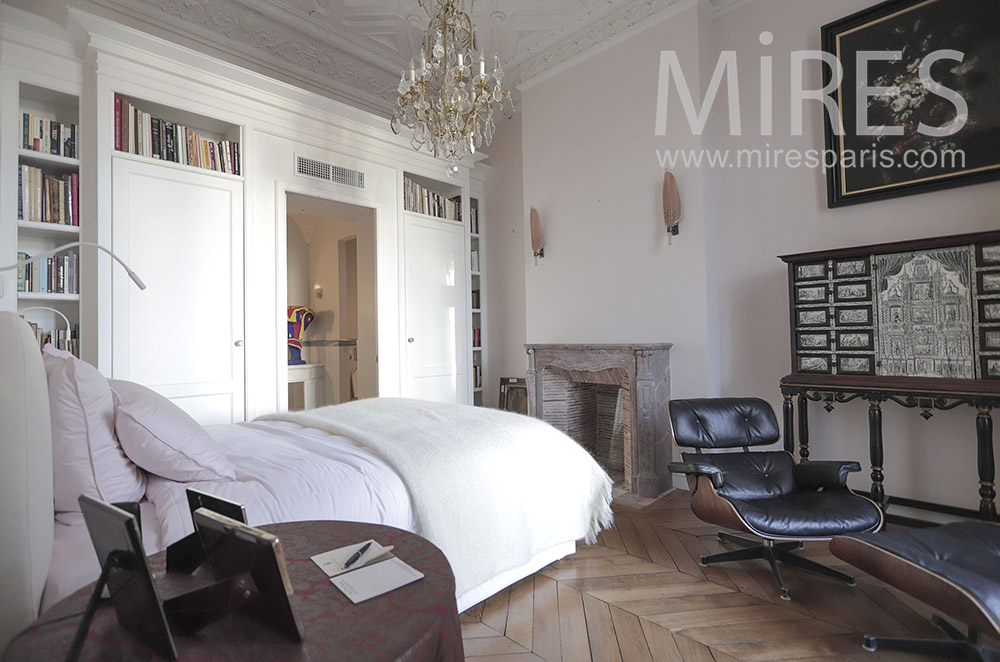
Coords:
612,399
595,415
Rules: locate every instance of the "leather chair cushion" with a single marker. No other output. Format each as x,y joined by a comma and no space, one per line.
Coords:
964,553
723,422
749,476
810,514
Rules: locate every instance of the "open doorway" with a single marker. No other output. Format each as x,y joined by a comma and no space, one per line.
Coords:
331,263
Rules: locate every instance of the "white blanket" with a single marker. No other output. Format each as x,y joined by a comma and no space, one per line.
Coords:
492,489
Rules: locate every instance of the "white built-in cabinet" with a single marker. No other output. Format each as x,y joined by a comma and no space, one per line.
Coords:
208,331
183,336
437,308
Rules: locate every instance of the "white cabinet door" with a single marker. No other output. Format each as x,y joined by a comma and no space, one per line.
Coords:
182,232
437,310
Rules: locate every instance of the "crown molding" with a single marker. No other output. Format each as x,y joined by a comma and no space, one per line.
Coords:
593,34
596,37
258,41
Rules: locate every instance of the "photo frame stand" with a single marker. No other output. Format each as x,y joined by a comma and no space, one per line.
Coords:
197,609
187,613
117,559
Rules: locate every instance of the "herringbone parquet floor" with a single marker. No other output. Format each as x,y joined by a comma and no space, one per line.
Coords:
641,595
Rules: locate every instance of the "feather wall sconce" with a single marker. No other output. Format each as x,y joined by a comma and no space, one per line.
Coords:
671,204
537,235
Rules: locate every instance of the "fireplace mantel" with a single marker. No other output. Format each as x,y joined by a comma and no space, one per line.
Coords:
643,371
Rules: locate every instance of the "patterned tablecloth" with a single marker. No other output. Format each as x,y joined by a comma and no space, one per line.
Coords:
416,622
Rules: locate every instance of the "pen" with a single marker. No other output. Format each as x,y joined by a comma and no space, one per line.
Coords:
357,555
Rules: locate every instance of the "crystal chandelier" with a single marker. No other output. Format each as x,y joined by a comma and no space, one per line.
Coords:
447,99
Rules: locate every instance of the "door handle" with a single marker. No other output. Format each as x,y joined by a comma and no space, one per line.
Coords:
238,343
409,340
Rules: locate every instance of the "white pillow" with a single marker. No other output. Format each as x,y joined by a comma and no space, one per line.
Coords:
86,457
163,439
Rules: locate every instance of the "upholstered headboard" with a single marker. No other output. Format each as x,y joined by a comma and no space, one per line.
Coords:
26,524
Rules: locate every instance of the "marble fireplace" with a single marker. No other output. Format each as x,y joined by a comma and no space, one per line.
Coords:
612,399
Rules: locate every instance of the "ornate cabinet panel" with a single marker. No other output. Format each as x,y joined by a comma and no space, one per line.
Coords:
914,322
892,312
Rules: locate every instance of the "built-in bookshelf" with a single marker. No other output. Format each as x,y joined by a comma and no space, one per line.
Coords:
431,198
155,131
48,212
476,287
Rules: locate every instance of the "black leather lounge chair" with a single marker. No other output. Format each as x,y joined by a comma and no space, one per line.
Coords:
763,493
954,568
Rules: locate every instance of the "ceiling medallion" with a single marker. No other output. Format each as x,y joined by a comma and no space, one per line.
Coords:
447,100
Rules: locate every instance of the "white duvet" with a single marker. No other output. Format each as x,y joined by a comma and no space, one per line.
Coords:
491,488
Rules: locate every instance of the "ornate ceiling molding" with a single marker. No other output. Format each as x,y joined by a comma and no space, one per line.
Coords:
255,38
315,44
594,31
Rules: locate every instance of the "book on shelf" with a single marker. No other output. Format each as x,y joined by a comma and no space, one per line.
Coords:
475,260
421,200
46,135
476,302
477,376
138,132
474,221
59,338
45,198
477,337
55,275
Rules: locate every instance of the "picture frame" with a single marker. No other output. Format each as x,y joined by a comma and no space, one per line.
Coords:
867,168
514,394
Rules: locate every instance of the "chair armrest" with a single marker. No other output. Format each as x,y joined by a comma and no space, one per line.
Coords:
698,469
823,473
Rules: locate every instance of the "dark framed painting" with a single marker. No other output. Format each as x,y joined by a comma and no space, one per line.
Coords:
514,394
908,137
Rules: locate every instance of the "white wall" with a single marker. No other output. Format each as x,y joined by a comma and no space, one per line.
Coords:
503,237
718,292
610,272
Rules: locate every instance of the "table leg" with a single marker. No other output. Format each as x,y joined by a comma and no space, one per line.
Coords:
803,428
875,449
788,414
987,491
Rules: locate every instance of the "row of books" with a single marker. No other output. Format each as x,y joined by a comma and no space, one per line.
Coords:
475,260
42,134
474,221
422,200
477,337
48,199
60,338
477,302
59,274
477,376
138,132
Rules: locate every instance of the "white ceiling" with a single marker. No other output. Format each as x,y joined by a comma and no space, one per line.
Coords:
355,50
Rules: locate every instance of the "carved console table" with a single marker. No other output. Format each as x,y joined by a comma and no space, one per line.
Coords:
916,323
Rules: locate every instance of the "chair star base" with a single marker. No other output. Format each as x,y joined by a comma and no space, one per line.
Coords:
773,552
960,647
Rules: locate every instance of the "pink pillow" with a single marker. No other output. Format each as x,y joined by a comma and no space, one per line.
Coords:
86,457
163,439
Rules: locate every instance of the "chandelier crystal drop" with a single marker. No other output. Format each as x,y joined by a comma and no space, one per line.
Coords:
447,99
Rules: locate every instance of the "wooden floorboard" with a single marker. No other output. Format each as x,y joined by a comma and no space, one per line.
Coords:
640,594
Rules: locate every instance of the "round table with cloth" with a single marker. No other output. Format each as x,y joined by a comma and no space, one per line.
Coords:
418,621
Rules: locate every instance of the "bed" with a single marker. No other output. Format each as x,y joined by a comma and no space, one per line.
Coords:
501,494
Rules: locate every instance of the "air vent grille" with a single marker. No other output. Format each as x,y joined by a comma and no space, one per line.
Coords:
328,172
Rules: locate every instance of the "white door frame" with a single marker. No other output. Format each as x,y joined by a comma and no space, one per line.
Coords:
388,371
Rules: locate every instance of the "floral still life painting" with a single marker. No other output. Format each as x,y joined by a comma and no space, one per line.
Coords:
918,98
